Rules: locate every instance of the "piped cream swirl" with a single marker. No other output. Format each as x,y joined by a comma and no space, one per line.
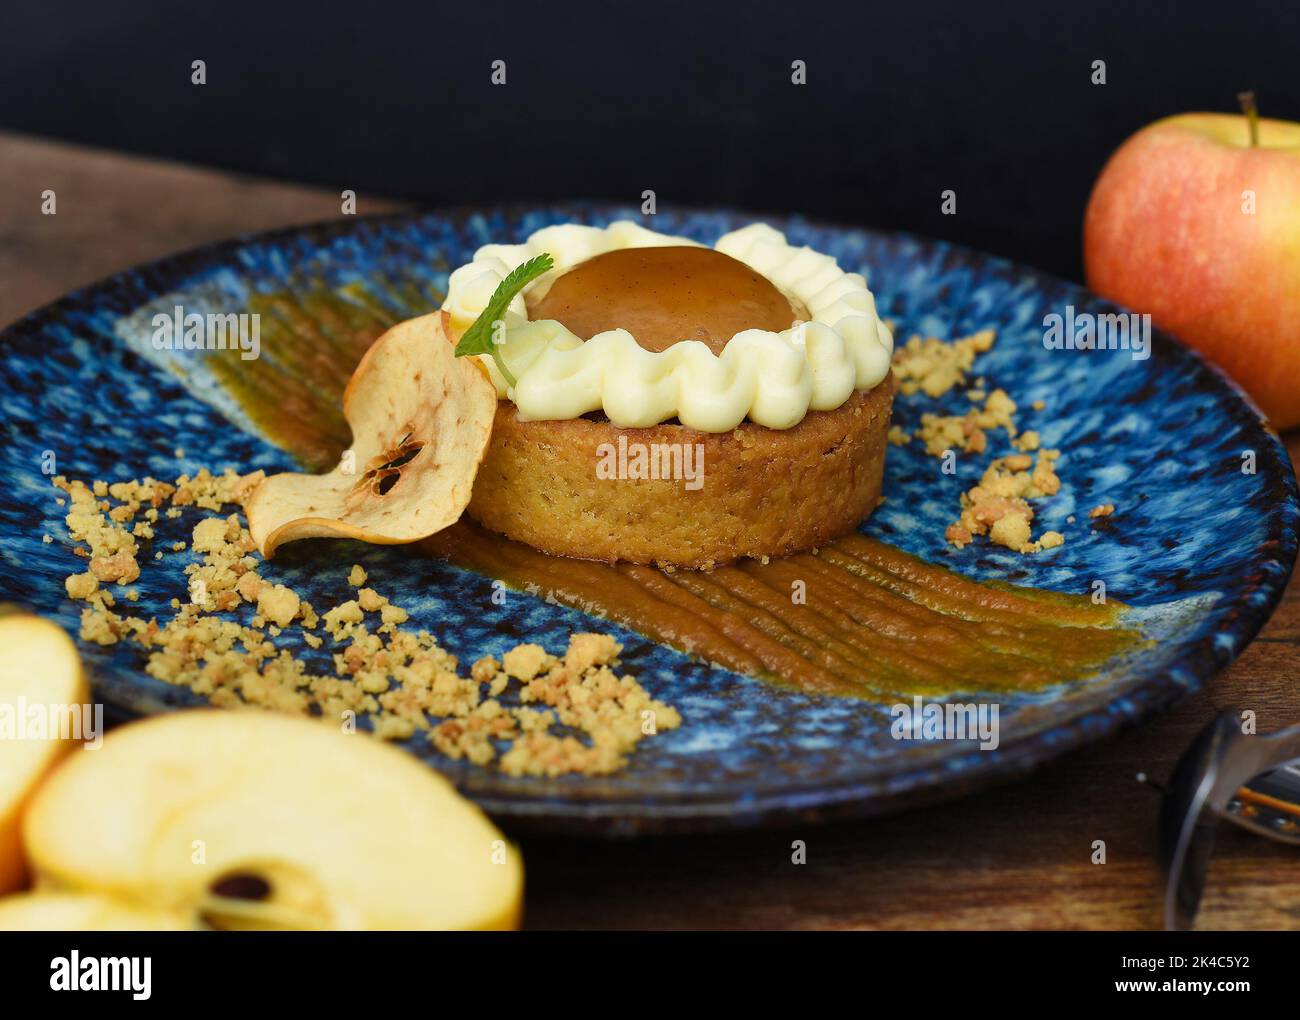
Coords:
771,378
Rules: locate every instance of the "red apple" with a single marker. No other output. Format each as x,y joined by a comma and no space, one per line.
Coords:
1196,219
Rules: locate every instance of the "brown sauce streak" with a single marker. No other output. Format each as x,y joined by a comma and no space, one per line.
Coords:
876,623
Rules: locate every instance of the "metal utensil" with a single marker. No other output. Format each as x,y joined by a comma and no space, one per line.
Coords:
1250,780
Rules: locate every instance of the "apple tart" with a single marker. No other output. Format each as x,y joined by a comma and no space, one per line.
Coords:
661,401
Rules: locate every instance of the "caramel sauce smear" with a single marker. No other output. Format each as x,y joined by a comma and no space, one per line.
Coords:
874,623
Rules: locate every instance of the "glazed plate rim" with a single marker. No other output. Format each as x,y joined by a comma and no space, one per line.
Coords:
1200,661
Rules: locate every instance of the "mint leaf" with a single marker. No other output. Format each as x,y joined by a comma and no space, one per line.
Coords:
478,338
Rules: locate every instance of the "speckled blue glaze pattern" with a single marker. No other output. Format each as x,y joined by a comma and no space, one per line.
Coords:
1201,549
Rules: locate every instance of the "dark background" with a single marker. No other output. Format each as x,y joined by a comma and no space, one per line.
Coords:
692,100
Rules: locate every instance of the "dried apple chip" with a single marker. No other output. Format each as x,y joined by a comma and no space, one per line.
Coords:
421,419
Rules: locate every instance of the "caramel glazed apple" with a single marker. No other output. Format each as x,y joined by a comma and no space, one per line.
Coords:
738,396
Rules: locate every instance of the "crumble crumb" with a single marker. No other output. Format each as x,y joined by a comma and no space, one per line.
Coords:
370,600
81,586
485,669
1028,441
210,535
968,432
588,650
121,567
403,683
391,615
525,661
278,604
933,366
340,620
999,505
1103,510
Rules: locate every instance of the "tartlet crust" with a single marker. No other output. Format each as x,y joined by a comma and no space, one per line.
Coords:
765,492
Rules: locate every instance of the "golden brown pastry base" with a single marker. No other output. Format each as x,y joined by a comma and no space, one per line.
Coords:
765,492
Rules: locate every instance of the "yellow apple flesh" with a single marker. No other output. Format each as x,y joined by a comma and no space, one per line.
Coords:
1191,223
52,911
239,819
40,673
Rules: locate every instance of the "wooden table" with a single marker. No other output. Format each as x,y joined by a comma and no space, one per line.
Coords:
1018,856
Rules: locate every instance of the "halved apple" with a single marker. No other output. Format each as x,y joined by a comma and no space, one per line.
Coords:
421,419
238,819
40,674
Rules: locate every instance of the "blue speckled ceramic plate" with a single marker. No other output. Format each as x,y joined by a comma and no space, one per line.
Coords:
1202,550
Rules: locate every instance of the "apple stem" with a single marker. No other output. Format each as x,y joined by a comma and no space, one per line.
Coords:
1247,101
